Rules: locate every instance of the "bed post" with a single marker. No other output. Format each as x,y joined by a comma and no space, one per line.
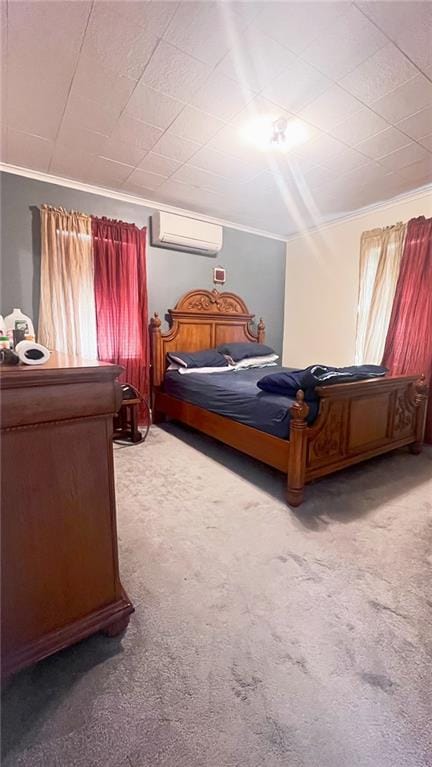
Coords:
261,331
421,401
156,364
297,450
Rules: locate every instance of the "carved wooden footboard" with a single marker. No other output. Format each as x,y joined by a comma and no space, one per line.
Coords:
356,421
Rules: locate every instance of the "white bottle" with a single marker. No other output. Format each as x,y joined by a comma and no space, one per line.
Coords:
19,321
4,338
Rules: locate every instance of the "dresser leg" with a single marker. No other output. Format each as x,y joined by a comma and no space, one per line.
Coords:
116,627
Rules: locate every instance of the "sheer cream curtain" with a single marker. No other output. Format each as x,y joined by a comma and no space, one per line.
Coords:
380,258
67,316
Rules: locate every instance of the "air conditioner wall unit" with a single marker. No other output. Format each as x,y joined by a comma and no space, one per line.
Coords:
168,230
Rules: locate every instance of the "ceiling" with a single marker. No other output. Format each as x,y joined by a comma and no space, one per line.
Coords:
148,97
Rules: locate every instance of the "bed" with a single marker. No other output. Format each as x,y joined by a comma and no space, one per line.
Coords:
349,423
237,397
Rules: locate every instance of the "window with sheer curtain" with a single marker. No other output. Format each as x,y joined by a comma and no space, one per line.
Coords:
67,315
380,258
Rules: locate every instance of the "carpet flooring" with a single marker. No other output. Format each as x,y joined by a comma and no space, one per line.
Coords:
262,637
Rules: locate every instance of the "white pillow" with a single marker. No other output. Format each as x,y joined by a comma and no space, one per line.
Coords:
265,361
186,371
178,363
181,369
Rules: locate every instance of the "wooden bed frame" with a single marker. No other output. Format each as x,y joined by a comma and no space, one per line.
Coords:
355,421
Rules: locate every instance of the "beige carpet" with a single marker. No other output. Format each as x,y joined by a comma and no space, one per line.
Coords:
261,637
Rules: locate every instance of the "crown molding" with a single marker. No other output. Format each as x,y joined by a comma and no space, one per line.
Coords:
413,194
123,197
16,170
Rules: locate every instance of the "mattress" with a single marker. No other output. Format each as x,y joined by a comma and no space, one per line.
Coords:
235,395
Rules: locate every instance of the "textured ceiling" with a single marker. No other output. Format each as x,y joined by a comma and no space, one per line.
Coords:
148,97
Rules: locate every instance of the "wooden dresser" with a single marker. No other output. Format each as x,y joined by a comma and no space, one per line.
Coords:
60,574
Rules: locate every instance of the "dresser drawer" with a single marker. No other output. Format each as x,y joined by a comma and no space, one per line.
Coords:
38,404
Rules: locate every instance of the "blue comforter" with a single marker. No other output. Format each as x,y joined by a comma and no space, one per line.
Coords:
236,395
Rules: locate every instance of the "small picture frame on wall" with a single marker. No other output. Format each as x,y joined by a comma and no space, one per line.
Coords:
219,275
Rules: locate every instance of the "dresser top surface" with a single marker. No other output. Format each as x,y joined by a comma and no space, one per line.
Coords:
59,368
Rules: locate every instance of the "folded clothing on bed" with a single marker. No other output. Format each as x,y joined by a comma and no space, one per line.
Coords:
288,382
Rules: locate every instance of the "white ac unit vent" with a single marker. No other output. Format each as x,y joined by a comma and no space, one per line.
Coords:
168,230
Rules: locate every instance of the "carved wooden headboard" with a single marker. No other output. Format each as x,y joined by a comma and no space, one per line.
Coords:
202,319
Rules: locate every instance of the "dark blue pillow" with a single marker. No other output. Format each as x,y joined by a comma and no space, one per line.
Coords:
286,382
242,351
207,358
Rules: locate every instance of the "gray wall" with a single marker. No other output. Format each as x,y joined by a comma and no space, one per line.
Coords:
255,265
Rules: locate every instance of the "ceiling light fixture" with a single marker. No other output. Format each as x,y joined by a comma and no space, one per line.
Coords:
268,133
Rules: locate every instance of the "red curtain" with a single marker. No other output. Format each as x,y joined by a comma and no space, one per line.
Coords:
408,346
121,298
